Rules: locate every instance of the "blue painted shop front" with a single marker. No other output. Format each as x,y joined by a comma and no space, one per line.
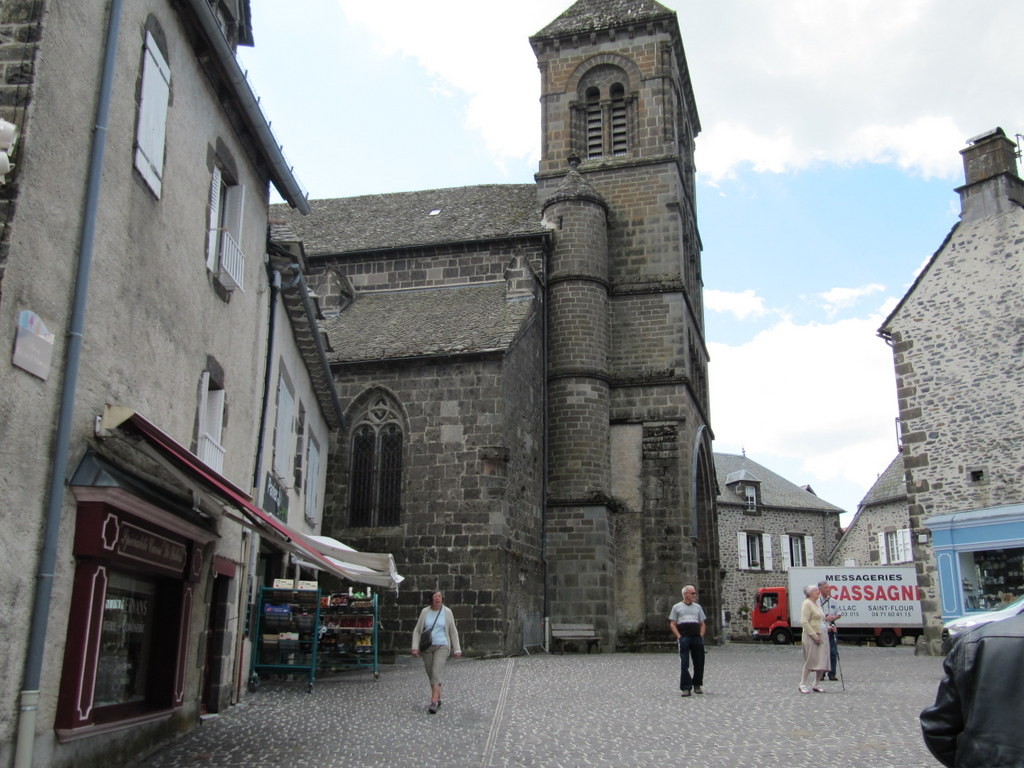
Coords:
980,558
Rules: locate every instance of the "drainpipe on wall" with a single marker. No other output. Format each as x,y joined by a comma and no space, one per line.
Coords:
29,703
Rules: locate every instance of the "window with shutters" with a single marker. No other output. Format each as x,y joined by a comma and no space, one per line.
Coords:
595,124
312,506
150,130
619,138
797,550
300,453
895,546
224,255
602,115
375,478
284,431
755,551
211,423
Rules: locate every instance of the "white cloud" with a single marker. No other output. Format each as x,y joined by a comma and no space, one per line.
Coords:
780,86
742,305
820,397
844,298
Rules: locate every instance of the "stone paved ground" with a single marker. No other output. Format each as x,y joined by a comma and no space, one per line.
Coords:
582,710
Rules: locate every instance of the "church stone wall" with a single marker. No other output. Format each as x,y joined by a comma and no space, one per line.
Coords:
471,493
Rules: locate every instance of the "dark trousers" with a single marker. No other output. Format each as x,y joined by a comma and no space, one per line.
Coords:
833,652
691,646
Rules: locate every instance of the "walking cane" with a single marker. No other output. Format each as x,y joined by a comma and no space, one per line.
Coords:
839,665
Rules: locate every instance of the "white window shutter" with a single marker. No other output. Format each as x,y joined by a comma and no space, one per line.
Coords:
204,393
906,546
741,546
215,414
152,127
213,240
283,438
809,550
787,554
312,482
766,554
883,556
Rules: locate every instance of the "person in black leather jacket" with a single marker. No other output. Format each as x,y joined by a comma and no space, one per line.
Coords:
978,709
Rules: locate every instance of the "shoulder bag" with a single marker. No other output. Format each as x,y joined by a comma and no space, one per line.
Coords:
425,636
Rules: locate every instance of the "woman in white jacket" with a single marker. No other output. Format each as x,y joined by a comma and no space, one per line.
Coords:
437,619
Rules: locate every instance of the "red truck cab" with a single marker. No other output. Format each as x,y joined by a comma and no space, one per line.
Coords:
770,617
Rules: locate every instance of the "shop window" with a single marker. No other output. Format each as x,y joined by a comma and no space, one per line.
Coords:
376,470
992,578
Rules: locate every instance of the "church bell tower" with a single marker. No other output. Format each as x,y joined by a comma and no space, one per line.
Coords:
631,488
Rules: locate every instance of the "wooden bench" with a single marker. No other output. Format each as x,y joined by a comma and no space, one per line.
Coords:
584,633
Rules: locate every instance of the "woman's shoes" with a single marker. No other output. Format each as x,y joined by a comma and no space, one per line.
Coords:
804,689
816,689
432,709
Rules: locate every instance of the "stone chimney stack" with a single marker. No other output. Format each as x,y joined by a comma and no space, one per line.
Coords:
990,172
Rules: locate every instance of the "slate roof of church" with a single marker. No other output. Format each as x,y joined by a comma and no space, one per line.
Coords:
403,219
776,491
589,15
426,322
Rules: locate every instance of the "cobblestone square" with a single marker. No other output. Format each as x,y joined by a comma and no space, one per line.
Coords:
582,710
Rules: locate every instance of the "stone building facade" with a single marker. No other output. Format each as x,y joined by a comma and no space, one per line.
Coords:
542,350
135,292
766,524
879,533
955,338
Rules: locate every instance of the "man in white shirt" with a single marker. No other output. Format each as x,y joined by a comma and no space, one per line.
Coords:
687,622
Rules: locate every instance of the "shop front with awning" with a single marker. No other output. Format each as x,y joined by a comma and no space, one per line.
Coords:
320,553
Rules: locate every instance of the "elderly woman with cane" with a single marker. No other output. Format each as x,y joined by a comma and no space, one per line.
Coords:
814,641
435,638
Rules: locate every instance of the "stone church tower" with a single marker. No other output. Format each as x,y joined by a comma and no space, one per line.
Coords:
523,366
630,503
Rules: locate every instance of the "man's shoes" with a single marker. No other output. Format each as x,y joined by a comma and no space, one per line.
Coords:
432,709
833,678
686,693
698,689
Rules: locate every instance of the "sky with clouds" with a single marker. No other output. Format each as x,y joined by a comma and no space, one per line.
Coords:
827,163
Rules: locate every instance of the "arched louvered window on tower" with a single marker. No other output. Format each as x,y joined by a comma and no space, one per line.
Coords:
375,478
620,134
595,124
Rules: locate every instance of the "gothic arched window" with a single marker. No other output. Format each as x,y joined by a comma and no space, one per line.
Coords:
375,497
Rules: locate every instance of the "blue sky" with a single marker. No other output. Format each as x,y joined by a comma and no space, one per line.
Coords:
827,164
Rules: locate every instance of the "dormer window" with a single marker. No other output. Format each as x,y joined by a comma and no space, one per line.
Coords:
751,495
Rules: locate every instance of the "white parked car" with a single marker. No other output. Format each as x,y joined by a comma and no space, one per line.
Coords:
955,627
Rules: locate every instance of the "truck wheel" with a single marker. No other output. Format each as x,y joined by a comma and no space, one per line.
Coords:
887,639
781,637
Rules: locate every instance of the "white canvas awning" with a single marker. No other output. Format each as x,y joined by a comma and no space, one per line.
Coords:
375,568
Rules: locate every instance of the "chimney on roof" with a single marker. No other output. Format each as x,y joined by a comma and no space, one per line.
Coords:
992,185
